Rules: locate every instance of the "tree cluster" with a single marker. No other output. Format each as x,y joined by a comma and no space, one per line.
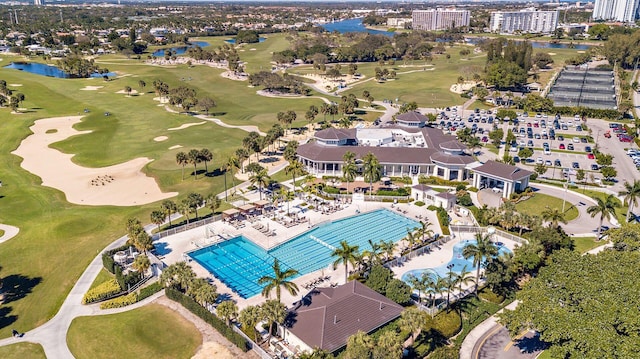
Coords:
77,66
278,83
508,62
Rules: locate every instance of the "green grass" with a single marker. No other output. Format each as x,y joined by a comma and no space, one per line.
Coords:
538,203
152,331
585,244
1,232
102,277
621,213
492,148
22,351
481,105
545,355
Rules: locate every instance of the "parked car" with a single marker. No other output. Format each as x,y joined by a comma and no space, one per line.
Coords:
576,140
570,147
562,147
539,160
591,156
547,163
485,139
575,165
594,167
560,138
557,163
587,149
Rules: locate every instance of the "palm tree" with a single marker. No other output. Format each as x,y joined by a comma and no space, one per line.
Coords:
424,229
411,238
212,202
346,254
260,178
205,156
249,317
182,159
441,285
141,264
324,109
478,251
143,242
374,253
412,321
605,209
345,122
231,165
168,208
227,311
464,278
185,210
631,195
279,280
349,167
157,218
194,159
371,170
287,196
178,274
194,201
553,215
294,169
419,283
388,247
205,294
273,312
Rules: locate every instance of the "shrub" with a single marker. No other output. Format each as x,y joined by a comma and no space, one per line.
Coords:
447,323
120,302
438,181
330,190
127,280
398,192
195,308
419,203
488,295
107,258
398,291
405,179
378,278
432,208
102,291
465,200
472,189
445,353
149,290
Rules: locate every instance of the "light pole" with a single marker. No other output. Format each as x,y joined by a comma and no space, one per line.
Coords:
564,197
449,284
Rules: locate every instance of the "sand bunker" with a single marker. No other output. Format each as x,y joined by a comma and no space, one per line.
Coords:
161,138
15,85
119,185
91,88
213,350
187,125
162,100
460,88
175,147
235,76
133,92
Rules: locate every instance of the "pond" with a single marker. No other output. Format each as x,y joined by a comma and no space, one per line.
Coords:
233,41
48,70
353,25
179,50
536,44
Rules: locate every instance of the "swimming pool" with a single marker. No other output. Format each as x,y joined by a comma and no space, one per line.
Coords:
457,260
239,263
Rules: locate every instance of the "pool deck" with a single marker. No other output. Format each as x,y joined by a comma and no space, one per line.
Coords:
173,249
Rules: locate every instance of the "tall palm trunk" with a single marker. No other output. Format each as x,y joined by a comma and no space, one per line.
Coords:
477,277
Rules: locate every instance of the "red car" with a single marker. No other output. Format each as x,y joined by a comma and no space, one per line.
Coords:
485,139
528,124
536,125
591,156
562,146
625,138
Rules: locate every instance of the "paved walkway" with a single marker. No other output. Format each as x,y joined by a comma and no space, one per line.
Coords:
479,332
9,232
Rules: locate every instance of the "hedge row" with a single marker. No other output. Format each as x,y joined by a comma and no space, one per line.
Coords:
149,290
195,308
107,258
102,291
588,112
119,302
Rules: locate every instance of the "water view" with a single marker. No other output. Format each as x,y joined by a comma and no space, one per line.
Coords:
48,70
233,41
180,50
353,25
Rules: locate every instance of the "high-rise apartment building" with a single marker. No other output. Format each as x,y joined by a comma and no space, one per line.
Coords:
618,10
527,20
439,19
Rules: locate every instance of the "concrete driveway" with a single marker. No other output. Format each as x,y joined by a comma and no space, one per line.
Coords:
496,344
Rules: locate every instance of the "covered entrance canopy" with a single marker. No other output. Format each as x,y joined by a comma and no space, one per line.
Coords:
232,212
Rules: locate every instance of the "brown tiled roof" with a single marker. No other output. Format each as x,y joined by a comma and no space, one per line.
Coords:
453,146
446,195
336,133
413,116
502,170
407,155
451,159
326,317
435,137
422,187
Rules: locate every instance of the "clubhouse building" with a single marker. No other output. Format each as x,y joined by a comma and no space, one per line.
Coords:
408,148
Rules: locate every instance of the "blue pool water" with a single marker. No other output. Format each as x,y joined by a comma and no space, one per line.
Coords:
239,263
180,50
47,70
457,260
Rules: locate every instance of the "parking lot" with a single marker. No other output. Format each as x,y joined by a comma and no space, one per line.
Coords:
563,144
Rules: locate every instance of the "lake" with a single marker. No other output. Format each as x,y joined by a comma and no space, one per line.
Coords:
535,44
352,25
47,70
179,50
233,41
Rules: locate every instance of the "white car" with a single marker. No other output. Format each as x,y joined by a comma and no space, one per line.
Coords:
496,190
576,140
539,160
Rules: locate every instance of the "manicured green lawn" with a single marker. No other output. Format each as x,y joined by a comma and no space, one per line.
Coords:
585,244
22,351
1,232
545,355
152,331
621,213
538,203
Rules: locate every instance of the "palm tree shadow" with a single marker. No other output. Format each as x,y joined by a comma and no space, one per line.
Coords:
215,173
17,286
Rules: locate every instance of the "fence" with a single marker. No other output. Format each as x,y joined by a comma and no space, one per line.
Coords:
367,198
498,232
185,227
255,347
418,252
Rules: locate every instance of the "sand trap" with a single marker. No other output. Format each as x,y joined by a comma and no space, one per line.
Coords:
91,88
15,85
9,232
133,92
162,100
235,76
552,53
161,138
187,125
213,350
175,147
119,185
460,88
